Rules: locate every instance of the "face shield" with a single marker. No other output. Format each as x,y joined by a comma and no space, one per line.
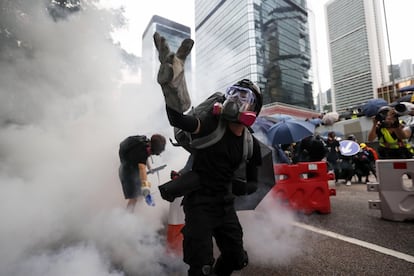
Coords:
239,105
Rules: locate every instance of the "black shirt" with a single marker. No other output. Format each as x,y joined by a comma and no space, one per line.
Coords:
217,163
138,154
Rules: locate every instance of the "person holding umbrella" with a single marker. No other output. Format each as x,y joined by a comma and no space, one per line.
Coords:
347,165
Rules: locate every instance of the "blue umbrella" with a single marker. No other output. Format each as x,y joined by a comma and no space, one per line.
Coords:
289,131
262,124
316,121
370,108
280,117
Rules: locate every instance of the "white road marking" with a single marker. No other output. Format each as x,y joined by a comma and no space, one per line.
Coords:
368,245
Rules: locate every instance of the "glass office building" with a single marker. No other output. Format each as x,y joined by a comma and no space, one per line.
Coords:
265,41
357,52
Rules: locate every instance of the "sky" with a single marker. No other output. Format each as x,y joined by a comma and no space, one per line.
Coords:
399,18
64,109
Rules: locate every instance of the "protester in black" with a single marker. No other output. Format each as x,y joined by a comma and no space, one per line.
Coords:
310,149
134,152
347,164
209,209
332,155
363,160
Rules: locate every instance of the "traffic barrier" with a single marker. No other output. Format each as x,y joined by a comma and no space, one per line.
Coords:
175,224
395,188
304,186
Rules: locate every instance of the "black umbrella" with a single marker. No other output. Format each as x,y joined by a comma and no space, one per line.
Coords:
407,88
266,179
407,98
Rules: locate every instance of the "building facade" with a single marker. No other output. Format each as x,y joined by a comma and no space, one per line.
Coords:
356,51
406,68
265,41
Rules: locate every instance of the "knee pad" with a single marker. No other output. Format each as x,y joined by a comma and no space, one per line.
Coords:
242,262
205,270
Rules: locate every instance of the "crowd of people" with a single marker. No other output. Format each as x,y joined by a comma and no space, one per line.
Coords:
391,134
345,167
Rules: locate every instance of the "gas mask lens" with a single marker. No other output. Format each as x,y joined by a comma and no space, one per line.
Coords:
240,94
239,105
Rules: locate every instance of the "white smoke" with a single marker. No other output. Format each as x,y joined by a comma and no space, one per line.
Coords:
63,112
269,235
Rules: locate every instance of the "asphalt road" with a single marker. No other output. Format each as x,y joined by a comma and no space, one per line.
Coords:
336,243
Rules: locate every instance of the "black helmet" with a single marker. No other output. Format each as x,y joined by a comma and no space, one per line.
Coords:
351,137
384,109
246,83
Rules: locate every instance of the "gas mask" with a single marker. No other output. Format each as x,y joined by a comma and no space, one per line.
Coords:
239,105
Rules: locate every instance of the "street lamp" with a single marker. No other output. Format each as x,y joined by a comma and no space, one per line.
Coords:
389,49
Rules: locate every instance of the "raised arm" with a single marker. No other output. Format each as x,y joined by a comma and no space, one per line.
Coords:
171,73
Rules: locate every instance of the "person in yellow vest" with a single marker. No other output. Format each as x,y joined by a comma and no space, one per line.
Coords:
354,114
391,134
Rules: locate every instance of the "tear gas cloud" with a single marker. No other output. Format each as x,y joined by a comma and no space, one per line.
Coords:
63,111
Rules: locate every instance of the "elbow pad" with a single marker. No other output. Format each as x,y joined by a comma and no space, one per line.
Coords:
185,122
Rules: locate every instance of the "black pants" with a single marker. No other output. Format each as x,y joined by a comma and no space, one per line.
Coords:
207,217
131,183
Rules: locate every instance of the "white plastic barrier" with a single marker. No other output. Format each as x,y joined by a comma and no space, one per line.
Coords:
396,190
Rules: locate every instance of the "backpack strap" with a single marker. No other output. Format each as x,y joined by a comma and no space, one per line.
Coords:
211,139
247,144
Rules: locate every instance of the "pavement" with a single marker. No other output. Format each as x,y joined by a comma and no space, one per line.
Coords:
351,240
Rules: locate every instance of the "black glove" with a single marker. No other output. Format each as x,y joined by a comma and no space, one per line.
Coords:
174,174
171,73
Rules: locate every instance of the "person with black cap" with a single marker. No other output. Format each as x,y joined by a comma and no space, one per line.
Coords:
134,152
209,208
333,154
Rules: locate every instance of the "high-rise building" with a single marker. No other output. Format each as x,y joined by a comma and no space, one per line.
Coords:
406,68
356,51
174,33
394,72
265,41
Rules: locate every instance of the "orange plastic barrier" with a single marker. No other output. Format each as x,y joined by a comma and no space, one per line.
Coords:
304,186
